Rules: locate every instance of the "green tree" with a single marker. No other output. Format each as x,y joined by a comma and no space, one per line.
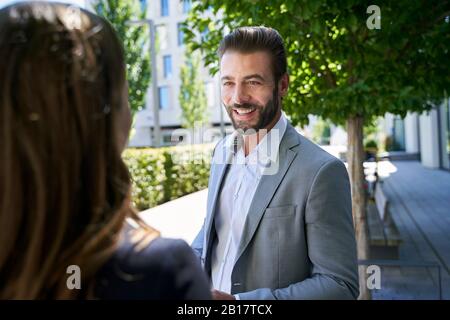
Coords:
370,133
340,69
192,95
135,40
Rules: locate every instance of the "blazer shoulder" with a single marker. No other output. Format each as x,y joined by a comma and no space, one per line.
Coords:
313,155
164,269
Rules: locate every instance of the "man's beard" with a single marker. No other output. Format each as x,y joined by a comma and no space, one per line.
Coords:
266,113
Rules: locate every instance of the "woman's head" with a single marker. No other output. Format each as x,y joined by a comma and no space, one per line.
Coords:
64,120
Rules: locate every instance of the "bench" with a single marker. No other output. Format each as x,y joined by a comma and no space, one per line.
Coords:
384,237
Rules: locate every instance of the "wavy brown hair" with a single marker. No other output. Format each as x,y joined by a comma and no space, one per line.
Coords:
64,189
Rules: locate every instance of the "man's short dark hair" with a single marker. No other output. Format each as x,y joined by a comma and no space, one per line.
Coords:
252,39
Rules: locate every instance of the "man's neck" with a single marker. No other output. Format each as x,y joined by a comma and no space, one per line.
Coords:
252,140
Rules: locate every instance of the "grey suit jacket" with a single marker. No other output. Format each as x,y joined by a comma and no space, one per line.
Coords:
298,240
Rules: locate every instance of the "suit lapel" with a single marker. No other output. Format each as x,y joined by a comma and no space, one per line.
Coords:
219,172
220,163
267,187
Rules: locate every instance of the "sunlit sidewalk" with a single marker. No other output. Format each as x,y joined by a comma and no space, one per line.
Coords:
420,206
180,218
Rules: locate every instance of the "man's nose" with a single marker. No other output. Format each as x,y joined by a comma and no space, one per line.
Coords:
240,95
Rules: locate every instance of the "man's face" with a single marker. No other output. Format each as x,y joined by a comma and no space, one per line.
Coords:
249,92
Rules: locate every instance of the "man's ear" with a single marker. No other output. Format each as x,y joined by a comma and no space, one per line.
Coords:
283,85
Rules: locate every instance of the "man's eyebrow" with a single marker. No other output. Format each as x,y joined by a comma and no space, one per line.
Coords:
255,76
250,76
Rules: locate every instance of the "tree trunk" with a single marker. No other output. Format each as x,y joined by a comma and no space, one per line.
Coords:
355,158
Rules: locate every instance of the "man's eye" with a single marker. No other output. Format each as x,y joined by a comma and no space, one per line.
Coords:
254,83
227,84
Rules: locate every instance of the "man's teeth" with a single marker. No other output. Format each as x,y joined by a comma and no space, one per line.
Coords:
244,111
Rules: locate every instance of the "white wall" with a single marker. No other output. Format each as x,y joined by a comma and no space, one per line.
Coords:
443,126
429,139
388,124
338,136
411,133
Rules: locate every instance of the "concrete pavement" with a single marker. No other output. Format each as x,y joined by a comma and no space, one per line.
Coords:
180,218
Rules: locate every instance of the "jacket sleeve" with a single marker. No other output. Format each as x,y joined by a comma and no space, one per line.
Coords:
330,240
189,278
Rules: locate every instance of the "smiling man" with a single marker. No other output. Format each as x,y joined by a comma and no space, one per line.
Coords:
279,222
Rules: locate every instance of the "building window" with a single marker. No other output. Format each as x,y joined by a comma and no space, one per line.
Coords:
186,6
180,34
167,65
164,8
398,134
170,140
163,93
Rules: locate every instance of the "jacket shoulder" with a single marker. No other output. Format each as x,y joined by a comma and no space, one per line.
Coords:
314,156
164,269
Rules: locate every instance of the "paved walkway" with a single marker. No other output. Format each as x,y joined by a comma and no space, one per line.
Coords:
180,218
420,206
419,203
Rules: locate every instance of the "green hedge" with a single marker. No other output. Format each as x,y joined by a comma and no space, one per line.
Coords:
164,174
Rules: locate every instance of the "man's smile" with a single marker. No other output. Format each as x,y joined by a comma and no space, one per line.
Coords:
244,114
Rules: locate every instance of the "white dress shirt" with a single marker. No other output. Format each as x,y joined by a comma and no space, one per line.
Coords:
239,186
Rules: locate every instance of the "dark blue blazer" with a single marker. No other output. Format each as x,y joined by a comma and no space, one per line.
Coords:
165,269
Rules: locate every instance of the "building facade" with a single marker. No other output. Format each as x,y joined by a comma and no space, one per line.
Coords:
168,16
427,134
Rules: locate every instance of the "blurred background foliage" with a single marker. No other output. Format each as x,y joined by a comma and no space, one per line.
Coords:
135,40
163,174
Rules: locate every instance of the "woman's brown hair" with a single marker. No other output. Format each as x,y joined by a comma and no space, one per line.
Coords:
64,189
